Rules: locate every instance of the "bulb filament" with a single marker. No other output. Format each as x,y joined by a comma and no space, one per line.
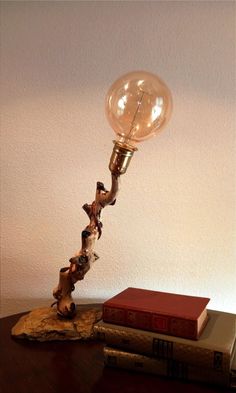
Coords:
135,115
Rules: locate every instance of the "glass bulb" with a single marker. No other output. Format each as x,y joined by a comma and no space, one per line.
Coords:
138,105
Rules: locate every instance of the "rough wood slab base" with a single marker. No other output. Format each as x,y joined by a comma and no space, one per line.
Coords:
43,324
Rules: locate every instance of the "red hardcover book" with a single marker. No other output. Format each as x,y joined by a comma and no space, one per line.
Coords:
167,313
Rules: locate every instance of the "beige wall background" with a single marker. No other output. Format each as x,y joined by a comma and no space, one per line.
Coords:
173,226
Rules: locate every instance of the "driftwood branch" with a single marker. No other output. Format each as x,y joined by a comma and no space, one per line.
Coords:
82,261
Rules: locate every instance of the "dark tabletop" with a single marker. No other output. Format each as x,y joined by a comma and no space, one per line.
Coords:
72,367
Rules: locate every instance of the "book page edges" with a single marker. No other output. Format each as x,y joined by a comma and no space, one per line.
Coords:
201,323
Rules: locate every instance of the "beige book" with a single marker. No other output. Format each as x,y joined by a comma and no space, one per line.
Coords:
214,349
170,368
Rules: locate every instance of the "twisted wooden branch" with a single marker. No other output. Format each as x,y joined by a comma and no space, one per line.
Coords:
83,259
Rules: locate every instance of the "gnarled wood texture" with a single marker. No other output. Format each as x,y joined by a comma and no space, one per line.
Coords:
82,261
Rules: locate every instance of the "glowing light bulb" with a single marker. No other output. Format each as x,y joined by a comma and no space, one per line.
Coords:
138,106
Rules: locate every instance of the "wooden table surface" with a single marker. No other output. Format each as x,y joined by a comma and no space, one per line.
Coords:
72,367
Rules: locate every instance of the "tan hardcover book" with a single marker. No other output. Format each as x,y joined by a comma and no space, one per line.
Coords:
214,349
164,367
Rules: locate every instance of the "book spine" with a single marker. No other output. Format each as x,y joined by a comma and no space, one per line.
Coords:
138,319
158,346
168,368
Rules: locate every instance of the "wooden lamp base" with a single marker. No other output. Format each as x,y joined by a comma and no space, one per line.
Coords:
43,324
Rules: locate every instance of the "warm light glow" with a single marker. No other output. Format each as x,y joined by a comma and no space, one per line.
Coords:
140,83
122,102
138,105
157,109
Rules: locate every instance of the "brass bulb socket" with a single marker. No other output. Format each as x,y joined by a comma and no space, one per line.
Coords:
120,158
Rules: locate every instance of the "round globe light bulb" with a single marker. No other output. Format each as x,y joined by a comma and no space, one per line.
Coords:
138,106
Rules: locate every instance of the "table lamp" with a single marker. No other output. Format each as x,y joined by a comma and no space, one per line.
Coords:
138,106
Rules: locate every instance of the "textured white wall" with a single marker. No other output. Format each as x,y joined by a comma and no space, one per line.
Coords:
173,226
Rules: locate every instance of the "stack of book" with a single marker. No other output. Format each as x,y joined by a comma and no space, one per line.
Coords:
169,335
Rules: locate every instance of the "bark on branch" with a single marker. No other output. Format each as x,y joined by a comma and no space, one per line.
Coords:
82,261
